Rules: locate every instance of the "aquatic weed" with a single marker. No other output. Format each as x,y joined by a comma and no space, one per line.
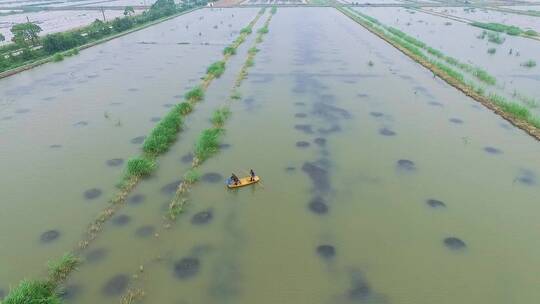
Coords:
208,143
216,69
220,116
195,94
140,166
60,269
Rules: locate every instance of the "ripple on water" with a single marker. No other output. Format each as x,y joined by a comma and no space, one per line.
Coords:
114,162
187,159
170,188
304,128
138,140
155,119
318,205
49,236
406,165
492,150
70,292
145,231
186,268
376,114
212,177
136,199
203,217
320,141
386,132
302,144
326,251
121,220
360,289
434,203
454,243
456,121
116,285
96,255
92,193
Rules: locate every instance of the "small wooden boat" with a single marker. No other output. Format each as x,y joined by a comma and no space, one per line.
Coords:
244,181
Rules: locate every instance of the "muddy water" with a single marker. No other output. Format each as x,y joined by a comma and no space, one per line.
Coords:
366,170
435,31
67,128
369,195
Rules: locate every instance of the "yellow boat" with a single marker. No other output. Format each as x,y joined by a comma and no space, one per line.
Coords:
244,181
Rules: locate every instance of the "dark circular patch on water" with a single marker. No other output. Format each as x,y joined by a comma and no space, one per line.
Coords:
299,103
70,292
138,140
170,188
116,285
435,203
145,231
456,120
155,119
55,146
454,243
289,169
49,236
121,220
321,141
302,144
114,162
7,117
81,123
360,289
136,199
492,150
386,132
92,193
526,177
22,111
96,255
300,115
48,98
187,267
318,175
188,158
202,217
168,105
133,89
376,114
304,128
405,164
326,251
212,177
435,103
224,146
318,205
332,129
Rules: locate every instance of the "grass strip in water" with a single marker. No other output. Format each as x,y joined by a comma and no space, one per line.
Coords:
208,142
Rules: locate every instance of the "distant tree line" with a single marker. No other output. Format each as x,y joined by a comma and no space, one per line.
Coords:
27,46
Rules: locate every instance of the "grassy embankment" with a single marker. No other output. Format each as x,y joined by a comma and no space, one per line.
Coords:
158,142
514,112
209,140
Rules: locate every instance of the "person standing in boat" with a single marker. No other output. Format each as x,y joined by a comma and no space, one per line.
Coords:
252,175
235,179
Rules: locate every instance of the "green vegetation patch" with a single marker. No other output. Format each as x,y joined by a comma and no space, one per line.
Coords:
140,166
247,30
192,176
164,133
220,116
195,94
529,63
216,69
60,269
32,292
499,27
208,143
229,50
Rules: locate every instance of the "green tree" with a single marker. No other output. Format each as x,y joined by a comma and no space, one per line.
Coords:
129,11
25,32
98,29
122,24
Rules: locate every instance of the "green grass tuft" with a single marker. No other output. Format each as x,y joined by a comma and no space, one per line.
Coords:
58,57
529,63
192,176
253,51
164,133
484,76
263,30
246,30
513,108
220,116
273,10
216,69
236,95
140,166
195,94
185,108
208,143
60,269
32,292
229,50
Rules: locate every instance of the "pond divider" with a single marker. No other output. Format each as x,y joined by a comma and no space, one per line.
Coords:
207,145
162,136
208,142
513,112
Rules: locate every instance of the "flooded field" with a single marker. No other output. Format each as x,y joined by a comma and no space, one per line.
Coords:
380,182
506,63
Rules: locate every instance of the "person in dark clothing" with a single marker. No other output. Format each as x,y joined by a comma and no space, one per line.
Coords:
235,179
252,175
